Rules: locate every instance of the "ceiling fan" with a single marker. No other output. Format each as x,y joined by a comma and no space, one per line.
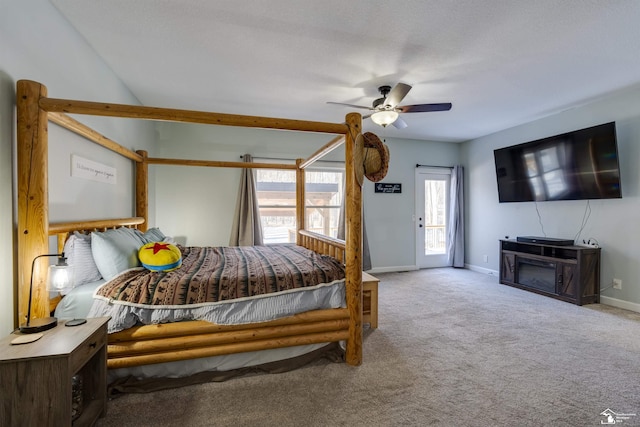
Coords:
386,110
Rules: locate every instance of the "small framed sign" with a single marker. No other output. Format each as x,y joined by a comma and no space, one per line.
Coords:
385,187
88,169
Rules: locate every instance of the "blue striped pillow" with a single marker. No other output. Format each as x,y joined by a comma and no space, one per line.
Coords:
77,249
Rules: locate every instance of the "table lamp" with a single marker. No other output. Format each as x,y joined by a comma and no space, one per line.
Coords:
59,279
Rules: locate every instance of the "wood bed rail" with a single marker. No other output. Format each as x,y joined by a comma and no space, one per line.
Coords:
322,244
101,224
62,229
218,163
329,147
85,131
197,327
161,343
70,106
230,348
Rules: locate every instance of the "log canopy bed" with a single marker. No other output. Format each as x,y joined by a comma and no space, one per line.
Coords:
192,339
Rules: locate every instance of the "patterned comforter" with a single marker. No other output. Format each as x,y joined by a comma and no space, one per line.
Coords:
214,274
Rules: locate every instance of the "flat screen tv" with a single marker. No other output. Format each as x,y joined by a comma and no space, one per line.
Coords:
582,164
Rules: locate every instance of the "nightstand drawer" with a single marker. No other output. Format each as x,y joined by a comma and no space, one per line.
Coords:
88,348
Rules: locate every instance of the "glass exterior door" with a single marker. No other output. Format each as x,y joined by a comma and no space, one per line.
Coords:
432,215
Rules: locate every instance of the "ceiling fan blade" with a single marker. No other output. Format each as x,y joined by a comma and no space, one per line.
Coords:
399,123
350,105
424,108
397,94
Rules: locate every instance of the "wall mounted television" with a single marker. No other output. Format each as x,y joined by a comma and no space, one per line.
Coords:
577,165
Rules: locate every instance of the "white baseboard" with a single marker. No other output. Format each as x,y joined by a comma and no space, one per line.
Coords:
481,270
395,269
631,306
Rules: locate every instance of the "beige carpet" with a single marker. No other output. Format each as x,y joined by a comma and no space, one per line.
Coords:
453,348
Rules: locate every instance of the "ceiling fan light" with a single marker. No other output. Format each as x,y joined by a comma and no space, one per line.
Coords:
384,118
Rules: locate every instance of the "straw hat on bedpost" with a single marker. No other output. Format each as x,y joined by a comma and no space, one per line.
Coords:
376,157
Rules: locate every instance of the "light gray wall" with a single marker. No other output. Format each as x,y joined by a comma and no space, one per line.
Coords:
39,44
209,194
389,218
613,223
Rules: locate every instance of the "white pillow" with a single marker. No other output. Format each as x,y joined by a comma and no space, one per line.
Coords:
115,251
77,249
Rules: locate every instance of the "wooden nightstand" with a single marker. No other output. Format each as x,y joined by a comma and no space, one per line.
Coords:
370,300
36,378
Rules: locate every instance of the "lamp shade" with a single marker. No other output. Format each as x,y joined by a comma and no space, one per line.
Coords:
384,117
60,278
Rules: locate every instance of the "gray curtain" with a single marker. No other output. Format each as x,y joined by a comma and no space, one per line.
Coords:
456,219
366,255
247,229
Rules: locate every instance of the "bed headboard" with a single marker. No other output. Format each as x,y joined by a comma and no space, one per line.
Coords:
62,229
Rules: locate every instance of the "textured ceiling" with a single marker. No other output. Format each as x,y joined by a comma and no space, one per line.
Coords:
500,62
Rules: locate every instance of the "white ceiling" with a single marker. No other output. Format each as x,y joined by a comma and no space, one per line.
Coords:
500,62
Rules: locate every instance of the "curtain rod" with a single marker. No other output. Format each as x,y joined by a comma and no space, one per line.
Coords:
418,165
291,160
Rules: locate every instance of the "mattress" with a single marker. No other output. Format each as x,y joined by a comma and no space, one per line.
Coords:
232,312
223,285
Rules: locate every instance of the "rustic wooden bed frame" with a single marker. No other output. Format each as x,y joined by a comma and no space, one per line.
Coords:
184,340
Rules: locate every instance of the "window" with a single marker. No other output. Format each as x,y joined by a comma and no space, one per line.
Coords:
323,192
277,202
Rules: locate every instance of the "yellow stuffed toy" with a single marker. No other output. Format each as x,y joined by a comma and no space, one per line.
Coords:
160,256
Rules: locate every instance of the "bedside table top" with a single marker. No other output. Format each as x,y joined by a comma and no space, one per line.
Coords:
59,341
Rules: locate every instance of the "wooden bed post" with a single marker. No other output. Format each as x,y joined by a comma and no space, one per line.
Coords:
353,237
142,189
33,198
300,201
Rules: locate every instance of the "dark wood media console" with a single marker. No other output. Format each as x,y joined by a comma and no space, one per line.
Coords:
568,273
